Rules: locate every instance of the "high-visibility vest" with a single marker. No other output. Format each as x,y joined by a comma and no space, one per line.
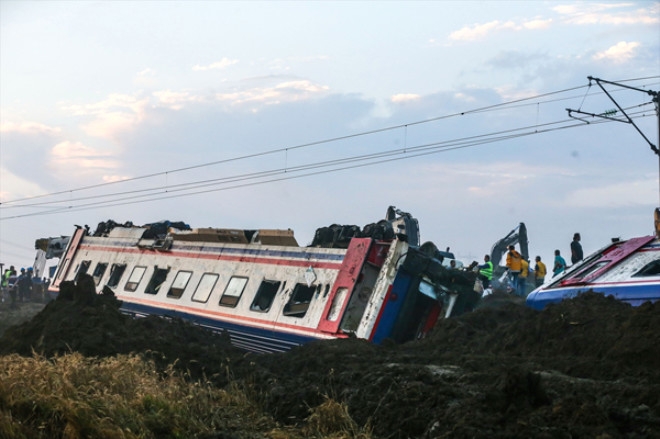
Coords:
513,260
5,278
541,270
524,268
487,272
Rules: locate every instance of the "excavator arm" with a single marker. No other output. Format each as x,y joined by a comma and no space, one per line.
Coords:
515,236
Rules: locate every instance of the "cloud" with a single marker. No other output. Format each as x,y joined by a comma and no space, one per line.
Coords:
607,13
145,78
14,186
28,128
579,13
218,65
618,53
117,113
404,97
287,91
67,156
537,24
147,72
120,113
175,100
114,178
480,31
108,125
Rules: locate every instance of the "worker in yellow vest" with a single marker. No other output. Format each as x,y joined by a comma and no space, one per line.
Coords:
486,271
514,264
540,270
522,279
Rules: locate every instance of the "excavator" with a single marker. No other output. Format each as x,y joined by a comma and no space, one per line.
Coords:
516,236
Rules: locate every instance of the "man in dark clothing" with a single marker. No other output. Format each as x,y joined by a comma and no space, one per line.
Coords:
576,249
24,286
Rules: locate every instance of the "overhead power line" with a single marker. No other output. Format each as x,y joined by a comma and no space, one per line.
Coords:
305,145
286,173
172,188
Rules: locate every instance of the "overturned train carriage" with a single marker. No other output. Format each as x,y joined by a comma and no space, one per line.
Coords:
267,292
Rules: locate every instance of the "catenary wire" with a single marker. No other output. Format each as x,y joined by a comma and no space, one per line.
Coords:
261,174
324,141
288,177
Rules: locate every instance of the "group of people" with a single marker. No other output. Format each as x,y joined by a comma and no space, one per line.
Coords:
576,256
21,287
519,270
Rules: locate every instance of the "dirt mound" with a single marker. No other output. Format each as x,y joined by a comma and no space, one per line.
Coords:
583,368
587,367
82,321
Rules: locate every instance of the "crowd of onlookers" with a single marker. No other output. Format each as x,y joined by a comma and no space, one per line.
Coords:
519,268
521,276
22,287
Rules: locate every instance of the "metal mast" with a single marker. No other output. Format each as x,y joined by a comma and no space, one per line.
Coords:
607,115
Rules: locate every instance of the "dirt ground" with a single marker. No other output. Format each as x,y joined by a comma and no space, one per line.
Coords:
585,368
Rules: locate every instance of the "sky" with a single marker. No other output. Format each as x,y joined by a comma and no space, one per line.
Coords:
278,115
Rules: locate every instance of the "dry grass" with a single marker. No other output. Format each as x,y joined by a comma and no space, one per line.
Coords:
121,397
74,397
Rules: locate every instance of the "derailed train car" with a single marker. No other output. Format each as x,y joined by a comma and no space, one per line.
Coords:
267,292
628,270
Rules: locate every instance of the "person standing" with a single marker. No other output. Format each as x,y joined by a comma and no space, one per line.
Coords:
514,264
24,286
486,271
9,272
522,279
576,249
540,271
560,264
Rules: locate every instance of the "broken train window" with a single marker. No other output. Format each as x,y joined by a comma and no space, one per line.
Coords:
99,271
265,296
157,280
116,272
83,268
300,299
650,269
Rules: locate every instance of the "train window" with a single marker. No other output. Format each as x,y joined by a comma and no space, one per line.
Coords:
116,272
157,280
83,268
265,296
650,269
299,303
233,291
135,278
99,271
179,284
204,288
589,270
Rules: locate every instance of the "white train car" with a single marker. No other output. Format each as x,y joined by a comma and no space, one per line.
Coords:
265,290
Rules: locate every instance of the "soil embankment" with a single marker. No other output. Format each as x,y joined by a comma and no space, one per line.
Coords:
585,368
